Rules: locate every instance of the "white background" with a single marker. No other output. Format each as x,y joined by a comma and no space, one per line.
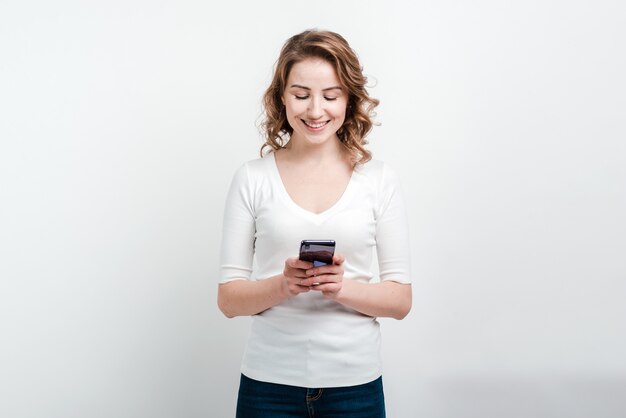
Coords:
122,122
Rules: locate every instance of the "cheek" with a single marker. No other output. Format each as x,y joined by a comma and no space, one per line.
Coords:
340,107
293,109
339,112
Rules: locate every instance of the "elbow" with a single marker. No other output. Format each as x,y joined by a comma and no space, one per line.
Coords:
398,298
226,308
223,304
402,311
228,313
404,307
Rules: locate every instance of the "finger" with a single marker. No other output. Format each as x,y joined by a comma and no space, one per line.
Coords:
291,261
305,282
324,278
299,264
326,288
295,273
318,271
338,259
300,288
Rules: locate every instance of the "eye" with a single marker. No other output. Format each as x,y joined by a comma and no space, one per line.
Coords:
301,97
330,99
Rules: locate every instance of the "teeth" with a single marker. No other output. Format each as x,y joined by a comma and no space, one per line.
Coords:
315,125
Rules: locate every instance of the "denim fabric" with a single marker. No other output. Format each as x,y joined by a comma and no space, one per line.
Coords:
269,400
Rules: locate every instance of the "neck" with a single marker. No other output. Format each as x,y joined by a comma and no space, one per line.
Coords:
304,151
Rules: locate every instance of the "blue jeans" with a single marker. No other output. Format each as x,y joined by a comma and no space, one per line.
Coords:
269,400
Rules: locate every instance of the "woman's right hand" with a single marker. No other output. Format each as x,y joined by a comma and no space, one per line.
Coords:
294,273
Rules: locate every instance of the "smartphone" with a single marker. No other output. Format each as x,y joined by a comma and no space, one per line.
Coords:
319,252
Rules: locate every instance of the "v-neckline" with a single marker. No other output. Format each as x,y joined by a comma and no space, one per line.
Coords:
287,197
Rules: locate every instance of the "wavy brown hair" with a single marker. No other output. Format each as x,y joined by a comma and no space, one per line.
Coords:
333,48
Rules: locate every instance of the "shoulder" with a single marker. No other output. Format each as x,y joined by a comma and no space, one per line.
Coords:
255,169
377,172
252,180
382,181
260,164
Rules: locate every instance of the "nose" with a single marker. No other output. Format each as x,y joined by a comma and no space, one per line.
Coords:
314,111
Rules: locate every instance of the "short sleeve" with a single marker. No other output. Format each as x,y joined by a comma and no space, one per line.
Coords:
238,228
392,230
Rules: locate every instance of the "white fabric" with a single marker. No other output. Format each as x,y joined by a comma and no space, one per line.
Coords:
309,340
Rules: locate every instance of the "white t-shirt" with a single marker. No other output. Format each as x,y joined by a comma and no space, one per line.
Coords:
308,340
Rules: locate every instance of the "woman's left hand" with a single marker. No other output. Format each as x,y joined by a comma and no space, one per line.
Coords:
327,279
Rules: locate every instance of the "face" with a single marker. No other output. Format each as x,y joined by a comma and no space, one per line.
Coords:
315,102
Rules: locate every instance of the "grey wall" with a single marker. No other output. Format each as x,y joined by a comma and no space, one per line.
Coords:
121,123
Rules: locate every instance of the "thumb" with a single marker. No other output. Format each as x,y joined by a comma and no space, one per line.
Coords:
338,259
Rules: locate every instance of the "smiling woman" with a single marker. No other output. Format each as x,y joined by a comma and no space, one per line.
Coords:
314,102
334,51
314,347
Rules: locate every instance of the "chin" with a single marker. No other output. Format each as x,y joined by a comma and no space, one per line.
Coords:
317,140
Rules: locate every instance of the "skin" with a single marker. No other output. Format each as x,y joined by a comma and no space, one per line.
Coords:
315,169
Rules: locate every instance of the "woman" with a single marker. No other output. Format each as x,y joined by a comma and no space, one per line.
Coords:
314,346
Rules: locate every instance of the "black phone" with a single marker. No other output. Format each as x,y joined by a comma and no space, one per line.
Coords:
318,252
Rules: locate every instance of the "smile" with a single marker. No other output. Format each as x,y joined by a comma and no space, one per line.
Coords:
317,125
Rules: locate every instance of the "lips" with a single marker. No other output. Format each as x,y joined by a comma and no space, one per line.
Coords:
315,125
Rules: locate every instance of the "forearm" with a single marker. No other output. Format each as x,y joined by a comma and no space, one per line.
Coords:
386,299
244,297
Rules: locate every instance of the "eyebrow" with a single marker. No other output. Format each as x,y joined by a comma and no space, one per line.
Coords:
306,88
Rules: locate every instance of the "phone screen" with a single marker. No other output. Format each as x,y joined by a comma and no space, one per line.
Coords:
319,252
